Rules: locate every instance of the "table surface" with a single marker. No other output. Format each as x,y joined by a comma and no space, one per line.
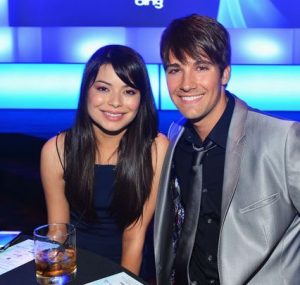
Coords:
90,267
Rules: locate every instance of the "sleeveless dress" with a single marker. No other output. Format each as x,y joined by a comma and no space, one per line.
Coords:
103,237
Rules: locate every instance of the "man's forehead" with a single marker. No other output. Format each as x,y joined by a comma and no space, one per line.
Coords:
189,59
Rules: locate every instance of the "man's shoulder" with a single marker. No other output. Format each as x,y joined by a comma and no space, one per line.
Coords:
254,114
176,128
271,118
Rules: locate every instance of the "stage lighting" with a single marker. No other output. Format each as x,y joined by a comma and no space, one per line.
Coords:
262,46
6,45
266,87
49,86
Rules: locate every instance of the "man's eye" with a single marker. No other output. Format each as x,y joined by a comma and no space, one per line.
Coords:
172,70
202,67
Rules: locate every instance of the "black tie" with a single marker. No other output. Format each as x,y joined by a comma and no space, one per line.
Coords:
192,210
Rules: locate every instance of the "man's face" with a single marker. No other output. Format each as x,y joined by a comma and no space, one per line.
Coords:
197,89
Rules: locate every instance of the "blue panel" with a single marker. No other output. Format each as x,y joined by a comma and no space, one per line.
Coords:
146,42
76,45
122,13
29,44
33,86
165,100
296,49
56,86
153,70
261,14
152,13
6,45
264,87
262,46
267,87
3,13
48,86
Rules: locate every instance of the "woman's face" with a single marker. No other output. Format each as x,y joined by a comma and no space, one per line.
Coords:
112,104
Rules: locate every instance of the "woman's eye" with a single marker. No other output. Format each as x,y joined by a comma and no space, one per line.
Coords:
102,88
130,92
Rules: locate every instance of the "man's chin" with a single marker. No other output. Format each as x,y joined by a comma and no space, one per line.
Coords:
193,118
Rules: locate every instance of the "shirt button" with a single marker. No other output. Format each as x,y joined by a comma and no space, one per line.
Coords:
212,281
209,220
210,258
204,190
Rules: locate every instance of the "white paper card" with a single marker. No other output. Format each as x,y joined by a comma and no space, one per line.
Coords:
16,256
116,279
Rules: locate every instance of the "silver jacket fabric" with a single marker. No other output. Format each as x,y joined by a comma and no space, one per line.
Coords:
259,239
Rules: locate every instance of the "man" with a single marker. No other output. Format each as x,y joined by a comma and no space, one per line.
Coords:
232,216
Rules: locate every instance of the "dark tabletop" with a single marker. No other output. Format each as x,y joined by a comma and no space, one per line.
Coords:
90,267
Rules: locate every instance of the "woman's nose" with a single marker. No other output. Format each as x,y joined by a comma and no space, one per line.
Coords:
115,100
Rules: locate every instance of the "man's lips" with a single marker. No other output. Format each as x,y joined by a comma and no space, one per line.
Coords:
190,98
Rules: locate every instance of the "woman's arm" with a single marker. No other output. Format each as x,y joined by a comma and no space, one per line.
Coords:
53,181
134,235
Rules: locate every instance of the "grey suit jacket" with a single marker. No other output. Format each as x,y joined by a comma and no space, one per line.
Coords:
260,224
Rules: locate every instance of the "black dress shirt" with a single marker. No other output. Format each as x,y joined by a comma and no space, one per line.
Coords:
203,264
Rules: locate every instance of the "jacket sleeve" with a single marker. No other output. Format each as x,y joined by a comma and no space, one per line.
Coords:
292,160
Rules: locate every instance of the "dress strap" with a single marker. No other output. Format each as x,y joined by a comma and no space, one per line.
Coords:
59,157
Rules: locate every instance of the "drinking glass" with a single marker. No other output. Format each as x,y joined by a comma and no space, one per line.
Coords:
55,253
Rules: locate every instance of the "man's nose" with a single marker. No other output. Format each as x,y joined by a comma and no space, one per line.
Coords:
187,82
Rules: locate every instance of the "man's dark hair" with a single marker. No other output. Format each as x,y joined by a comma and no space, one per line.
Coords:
198,37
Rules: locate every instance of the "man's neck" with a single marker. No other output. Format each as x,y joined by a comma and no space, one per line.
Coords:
204,126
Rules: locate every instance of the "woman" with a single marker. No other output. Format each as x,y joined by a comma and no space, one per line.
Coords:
102,174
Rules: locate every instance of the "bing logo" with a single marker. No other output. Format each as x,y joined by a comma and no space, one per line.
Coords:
158,4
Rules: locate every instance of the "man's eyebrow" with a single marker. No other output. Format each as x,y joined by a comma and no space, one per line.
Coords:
168,65
203,61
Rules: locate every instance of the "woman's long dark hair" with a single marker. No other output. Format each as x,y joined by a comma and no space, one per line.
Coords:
134,171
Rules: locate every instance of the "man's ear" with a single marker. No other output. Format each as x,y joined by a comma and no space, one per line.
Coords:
226,75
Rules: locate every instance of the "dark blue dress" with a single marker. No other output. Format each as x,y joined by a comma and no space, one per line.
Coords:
103,237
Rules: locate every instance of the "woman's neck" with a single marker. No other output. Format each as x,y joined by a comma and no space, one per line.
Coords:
107,148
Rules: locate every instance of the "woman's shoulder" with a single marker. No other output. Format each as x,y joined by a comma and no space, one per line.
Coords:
53,150
161,142
161,139
55,143
57,140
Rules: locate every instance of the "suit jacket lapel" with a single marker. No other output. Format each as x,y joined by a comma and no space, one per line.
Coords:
234,149
164,213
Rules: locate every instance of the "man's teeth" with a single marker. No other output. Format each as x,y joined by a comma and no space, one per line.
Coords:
191,98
